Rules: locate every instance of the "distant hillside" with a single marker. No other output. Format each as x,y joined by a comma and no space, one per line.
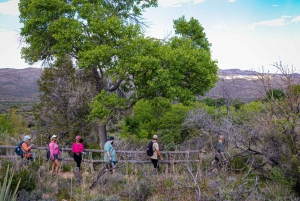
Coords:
237,84
21,85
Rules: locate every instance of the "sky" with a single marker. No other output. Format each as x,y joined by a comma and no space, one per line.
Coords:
244,34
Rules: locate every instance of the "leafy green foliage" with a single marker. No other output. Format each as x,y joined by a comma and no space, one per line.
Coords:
12,125
277,176
105,105
158,116
214,102
276,94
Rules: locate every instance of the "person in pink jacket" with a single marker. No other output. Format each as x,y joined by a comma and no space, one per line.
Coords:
54,152
77,149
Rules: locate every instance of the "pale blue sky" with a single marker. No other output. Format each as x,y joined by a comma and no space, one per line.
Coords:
245,34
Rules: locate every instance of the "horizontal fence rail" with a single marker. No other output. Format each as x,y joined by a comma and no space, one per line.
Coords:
123,156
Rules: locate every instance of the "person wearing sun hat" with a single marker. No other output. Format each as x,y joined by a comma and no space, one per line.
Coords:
77,149
110,154
54,153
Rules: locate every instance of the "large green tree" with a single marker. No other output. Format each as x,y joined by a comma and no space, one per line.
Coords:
105,37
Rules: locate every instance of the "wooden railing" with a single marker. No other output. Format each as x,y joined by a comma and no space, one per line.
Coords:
133,157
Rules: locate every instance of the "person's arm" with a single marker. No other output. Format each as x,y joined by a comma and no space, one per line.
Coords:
26,148
108,155
158,154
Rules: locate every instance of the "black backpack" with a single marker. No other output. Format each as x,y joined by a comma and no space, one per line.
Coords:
18,149
47,153
150,149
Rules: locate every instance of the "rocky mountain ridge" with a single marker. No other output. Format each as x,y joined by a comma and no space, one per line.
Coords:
21,85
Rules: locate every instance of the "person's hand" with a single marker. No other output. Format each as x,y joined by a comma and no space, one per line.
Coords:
161,159
109,158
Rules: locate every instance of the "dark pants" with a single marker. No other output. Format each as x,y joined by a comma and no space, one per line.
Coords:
78,159
155,163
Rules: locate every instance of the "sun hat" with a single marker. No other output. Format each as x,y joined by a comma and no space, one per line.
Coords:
77,137
111,138
53,136
26,137
155,137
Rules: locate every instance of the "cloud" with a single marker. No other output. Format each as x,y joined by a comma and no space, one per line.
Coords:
10,48
220,26
296,19
10,7
177,3
275,5
270,23
286,16
231,1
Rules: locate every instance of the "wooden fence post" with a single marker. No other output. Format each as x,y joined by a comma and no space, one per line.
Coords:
167,164
91,161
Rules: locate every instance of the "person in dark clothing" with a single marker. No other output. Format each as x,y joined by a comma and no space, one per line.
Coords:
77,149
220,157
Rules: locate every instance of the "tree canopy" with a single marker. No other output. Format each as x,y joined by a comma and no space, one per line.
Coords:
106,37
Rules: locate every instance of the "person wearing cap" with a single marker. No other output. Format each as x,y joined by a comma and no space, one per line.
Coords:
26,148
156,153
54,152
77,149
110,154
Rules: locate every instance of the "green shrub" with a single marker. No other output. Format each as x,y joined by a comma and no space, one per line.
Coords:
277,176
239,163
27,176
66,167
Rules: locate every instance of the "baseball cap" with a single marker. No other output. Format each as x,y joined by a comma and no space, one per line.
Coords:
155,137
111,138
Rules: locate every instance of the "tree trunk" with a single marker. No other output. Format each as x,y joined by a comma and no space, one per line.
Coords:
102,133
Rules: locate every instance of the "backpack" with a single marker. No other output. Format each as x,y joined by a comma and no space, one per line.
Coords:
47,153
18,149
150,149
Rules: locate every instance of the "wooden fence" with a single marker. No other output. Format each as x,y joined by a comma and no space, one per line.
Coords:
123,156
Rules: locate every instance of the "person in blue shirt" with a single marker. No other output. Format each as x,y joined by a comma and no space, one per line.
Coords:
110,155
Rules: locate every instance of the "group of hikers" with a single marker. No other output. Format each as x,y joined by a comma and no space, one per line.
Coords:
110,153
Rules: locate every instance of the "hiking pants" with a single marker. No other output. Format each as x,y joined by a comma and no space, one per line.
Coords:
155,163
77,159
